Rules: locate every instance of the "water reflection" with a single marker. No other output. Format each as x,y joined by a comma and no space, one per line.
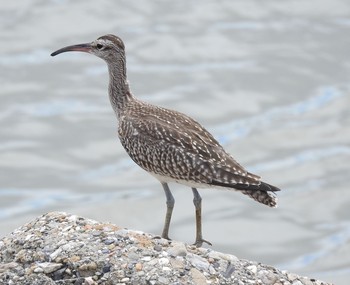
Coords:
23,201
302,157
243,127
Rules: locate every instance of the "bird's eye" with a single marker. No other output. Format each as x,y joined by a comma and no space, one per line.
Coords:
99,46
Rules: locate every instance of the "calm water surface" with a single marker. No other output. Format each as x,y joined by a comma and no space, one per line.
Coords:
269,79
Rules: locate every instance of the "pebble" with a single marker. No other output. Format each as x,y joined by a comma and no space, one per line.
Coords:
146,258
38,270
177,263
292,276
220,255
229,270
157,247
109,241
133,256
74,258
138,266
198,277
55,254
105,251
153,262
90,266
306,281
106,268
212,270
59,274
89,281
49,267
70,246
166,268
177,249
163,261
7,266
96,233
266,277
198,262
163,280
253,269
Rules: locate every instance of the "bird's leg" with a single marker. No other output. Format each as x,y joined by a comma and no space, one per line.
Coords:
170,202
197,201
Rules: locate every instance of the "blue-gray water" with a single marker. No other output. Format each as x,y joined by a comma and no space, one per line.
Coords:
269,79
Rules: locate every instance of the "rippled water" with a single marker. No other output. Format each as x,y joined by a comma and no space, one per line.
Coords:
269,79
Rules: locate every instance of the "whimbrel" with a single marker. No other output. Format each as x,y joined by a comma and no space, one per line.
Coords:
168,144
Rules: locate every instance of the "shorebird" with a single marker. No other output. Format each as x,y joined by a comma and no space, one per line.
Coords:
168,144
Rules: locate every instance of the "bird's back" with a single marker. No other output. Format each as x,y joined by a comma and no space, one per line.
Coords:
174,147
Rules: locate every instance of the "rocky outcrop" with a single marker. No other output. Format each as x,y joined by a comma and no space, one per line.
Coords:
58,248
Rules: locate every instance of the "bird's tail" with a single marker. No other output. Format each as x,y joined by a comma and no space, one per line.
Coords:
263,193
266,198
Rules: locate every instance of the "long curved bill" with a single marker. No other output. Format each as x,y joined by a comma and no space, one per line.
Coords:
80,47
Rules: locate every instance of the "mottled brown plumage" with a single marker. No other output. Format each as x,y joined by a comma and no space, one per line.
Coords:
168,144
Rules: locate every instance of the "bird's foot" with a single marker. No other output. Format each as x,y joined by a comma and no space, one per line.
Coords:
166,237
162,236
199,242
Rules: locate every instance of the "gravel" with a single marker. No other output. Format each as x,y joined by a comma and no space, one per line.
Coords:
59,248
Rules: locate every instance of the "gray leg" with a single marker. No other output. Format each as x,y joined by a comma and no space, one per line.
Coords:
170,202
197,201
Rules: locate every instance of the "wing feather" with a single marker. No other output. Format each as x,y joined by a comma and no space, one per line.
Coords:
187,149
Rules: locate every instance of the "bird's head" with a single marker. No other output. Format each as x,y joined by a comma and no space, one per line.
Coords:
107,47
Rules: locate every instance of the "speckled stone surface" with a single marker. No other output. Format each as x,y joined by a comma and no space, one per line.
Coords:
59,248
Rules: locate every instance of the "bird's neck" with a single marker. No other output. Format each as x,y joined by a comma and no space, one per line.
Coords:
119,91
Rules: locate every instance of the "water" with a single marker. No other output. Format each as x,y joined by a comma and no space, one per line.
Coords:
270,80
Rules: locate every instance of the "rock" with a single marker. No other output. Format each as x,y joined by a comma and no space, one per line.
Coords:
133,255
306,281
223,256
253,269
163,280
38,270
138,266
58,248
90,266
177,249
292,276
177,263
7,266
198,261
198,277
266,277
229,270
55,254
163,261
49,267
89,281
158,247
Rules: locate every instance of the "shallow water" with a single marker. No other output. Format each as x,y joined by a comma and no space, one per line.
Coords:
270,81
